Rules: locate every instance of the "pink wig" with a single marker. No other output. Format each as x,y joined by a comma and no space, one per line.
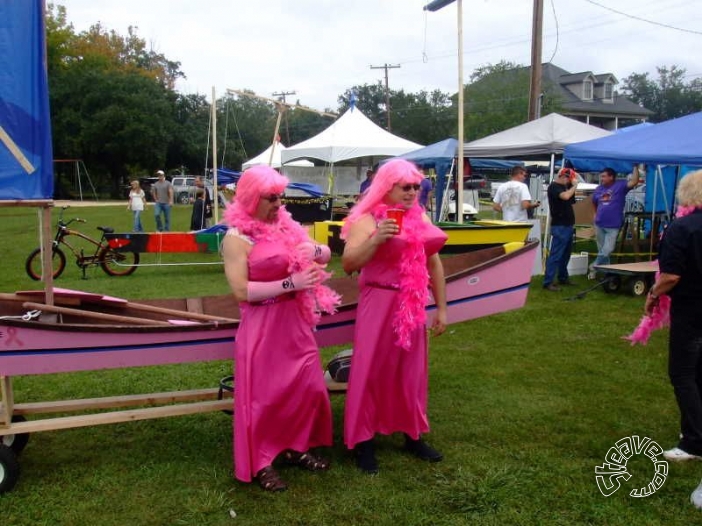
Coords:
389,174
255,182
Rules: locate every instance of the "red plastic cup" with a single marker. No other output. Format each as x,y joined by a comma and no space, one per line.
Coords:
397,214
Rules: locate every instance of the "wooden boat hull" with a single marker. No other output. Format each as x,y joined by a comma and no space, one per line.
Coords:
479,284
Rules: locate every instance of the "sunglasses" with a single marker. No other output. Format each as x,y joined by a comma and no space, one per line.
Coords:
408,187
273,197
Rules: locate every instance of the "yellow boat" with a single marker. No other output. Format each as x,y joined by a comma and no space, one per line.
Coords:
466,237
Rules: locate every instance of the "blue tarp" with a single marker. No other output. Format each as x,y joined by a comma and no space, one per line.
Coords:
675,142
26,165
225,176
673,147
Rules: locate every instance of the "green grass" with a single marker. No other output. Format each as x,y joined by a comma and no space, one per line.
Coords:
523,405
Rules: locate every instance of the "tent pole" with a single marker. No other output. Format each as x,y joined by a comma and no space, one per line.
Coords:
281,109
214,155
547,228
459,177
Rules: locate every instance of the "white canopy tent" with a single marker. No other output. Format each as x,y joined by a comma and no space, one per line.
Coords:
548,135
276,162
352,135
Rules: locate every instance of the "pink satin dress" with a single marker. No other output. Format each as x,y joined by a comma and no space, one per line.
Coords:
280,397
387,391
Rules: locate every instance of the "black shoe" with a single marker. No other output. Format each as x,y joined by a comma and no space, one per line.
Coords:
566,282
422,450
553,288
365,457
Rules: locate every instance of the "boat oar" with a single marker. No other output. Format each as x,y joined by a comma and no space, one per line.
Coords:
94,315
179,313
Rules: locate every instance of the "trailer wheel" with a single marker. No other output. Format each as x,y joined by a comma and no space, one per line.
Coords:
9,469
637,286
18,441
612,283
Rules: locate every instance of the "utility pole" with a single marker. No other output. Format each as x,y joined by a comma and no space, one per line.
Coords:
435,5
535,84
386,67
282,96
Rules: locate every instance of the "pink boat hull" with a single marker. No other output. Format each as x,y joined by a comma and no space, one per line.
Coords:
496,285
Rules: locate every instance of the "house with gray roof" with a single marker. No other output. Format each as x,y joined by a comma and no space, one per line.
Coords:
592,98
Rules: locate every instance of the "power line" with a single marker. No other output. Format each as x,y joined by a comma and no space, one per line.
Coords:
661,24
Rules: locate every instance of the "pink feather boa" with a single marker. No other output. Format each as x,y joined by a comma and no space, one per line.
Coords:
660,315
414,276
289,233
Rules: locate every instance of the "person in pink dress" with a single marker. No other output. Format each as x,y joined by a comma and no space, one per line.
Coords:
387,391
281,404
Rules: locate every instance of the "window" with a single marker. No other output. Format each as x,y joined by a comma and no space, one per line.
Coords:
587,90
608,91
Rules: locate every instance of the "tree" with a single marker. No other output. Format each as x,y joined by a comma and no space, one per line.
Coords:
668,97
419,117
497,98
112,102
252,121
187,148
370,99
423,117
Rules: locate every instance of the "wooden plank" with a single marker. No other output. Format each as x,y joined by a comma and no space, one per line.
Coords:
114,417
194,305
110,402
198,315
630,268
6,407
94,315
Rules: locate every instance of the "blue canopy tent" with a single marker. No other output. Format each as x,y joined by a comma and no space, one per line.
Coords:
225,176
672,146
441,156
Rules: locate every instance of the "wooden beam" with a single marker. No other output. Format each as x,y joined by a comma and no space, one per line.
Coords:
179,313
114,417
93,315
111,402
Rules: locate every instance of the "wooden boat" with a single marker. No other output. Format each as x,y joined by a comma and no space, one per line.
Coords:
85,331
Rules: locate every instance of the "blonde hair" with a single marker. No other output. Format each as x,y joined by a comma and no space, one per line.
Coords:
690,189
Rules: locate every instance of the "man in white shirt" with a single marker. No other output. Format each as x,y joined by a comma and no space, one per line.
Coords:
513,198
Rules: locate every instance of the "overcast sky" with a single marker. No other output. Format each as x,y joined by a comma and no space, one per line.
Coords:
319,48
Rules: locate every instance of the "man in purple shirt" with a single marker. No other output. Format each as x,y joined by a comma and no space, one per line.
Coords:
609,200
425,190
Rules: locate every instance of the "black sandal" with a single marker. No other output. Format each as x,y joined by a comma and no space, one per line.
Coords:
307,461
269,480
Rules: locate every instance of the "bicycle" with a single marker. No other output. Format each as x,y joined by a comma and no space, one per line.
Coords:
114,263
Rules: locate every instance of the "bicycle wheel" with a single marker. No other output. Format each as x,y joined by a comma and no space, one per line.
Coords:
33,264
118,263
